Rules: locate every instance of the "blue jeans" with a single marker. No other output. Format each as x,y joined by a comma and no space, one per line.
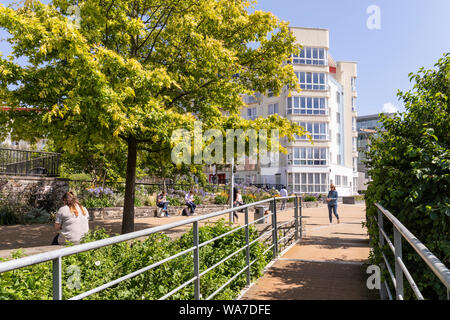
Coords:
334,209
191,206
163,205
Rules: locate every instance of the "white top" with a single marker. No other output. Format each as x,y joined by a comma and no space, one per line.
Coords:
239,197
73,228
283,192
189,197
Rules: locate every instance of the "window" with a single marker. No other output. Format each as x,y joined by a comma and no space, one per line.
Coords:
308,182
310,156
354,143
338,117
273,108
353,124
311,56
312,80
338,180
339,159
251,113
338,138
317,130
338,97
307,105
353,83
353,103
344,181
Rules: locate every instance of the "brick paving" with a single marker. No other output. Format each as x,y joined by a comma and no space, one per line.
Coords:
328,264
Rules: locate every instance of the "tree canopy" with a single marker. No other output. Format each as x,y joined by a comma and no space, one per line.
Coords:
128,73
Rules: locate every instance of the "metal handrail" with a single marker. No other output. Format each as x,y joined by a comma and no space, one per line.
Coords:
56,255
400,231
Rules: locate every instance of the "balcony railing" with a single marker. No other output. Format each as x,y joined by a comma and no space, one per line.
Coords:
29,163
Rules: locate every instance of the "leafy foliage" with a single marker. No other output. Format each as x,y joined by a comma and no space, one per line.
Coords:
221,199
410,168
109,263
135,71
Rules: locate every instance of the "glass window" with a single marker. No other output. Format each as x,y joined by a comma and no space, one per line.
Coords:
311,106
317,130
311,56
312,80
273,108
313,156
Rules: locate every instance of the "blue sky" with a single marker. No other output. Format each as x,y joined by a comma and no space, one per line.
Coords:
413,34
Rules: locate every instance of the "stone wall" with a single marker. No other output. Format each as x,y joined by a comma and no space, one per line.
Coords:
38,192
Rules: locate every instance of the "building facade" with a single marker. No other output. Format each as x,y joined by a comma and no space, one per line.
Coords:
326,108
367,126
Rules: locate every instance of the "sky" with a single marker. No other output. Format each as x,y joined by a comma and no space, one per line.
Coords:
412,34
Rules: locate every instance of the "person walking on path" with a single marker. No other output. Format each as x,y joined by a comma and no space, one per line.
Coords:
189,199
283,193
332,203
237,203
162,203
72,220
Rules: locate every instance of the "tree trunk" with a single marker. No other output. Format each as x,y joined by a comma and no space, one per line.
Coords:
128,206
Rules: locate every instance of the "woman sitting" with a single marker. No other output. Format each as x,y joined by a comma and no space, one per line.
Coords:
72,220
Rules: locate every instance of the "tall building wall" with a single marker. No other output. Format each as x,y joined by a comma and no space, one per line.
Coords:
326,105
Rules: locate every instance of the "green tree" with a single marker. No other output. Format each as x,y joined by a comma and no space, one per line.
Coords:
130,72
409,164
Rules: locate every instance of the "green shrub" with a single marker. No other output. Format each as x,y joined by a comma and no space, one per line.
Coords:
94,202
409,163
36,215
220,199
173,201
102,265
9,217
198,200
309,198
248,198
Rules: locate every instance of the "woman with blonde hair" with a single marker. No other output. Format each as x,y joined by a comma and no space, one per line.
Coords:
72,220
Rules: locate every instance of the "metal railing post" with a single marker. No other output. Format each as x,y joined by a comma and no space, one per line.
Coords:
275,229
296,218
398,269
247,251
57,287
196,262
301,217
381,244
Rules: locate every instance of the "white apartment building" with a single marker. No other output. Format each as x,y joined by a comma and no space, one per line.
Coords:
326,108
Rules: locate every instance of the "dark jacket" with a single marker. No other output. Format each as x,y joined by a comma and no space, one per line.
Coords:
334,196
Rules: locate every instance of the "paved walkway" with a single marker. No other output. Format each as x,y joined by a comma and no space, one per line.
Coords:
329,264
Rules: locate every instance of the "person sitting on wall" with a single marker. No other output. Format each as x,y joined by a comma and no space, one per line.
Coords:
72,220
162,202
189,199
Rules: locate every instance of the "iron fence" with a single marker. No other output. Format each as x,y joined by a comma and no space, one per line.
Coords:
400,270
29,163
57,255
